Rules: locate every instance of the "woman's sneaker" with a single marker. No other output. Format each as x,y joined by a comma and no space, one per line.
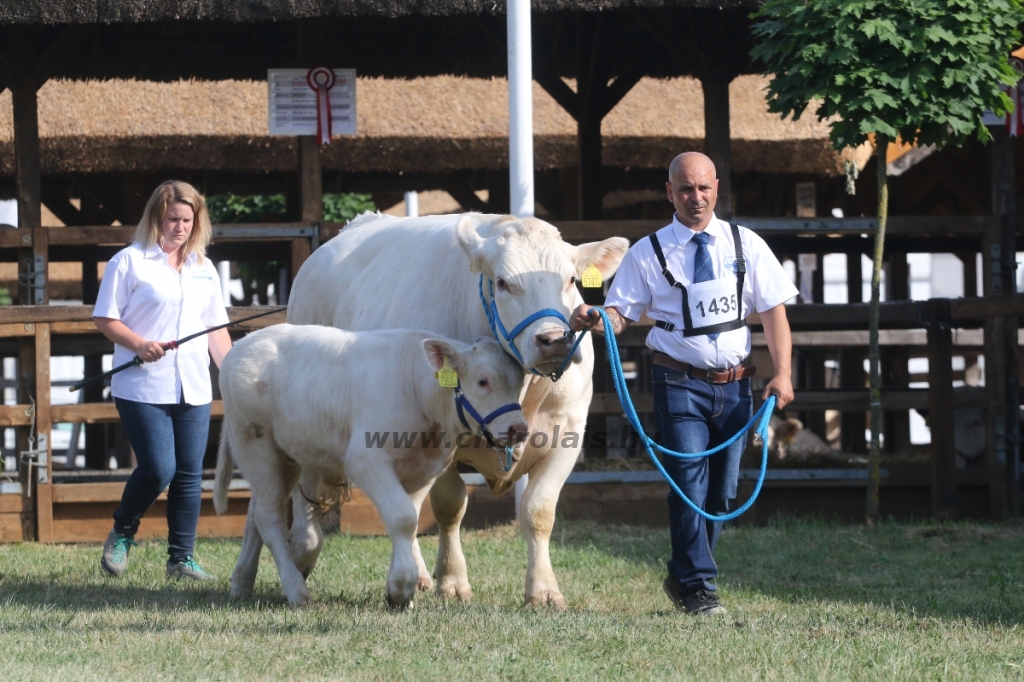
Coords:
187,569
115,553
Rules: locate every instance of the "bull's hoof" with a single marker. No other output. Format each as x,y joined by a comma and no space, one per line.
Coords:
455,590
240,592
396,606
555,600
424,584
299,600
242,589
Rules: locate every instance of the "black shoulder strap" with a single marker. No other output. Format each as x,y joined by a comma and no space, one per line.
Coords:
741,268
661,259
668,326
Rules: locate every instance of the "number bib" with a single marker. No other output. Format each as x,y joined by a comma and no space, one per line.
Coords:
710,303
710,307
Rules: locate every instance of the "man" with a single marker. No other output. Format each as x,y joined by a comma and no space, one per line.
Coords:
699,284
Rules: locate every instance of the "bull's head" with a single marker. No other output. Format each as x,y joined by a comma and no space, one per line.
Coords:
530,269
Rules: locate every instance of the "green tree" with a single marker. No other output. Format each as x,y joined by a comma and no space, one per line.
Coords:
921,70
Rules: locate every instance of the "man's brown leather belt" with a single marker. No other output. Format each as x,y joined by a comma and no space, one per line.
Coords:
712,376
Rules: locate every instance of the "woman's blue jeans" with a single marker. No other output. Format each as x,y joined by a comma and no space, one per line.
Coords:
694,416
169,443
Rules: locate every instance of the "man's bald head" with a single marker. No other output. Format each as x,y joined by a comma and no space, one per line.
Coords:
691,161
692,188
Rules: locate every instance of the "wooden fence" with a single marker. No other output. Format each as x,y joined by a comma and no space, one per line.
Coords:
39,508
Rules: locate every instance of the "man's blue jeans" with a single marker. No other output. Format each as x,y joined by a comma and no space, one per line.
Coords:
169,443
694,416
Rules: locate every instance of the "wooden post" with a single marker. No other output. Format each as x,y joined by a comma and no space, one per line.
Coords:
717,146
895,372
851,364
24,84
940,408
311,198
1001,352
590,86
95,434
44,488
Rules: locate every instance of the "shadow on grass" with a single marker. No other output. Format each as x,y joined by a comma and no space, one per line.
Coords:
34,593
960,571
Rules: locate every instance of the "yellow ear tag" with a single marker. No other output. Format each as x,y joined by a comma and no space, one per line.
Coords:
591,278
446,376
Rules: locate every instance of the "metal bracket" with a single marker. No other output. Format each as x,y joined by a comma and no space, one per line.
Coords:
36,458
35,278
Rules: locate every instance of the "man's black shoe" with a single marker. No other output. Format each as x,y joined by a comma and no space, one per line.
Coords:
700,603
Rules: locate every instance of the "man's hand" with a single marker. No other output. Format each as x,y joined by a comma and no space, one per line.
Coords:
782,388
584,317
780,345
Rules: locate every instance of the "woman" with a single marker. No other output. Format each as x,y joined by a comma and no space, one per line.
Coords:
159,289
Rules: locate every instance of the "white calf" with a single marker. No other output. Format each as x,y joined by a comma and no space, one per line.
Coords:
362,406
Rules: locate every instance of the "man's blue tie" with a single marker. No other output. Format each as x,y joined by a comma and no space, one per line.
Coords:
703,268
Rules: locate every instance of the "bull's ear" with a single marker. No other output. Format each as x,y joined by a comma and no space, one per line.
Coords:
437,351
471,242
604,255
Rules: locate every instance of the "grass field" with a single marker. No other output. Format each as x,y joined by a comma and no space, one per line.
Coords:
806,601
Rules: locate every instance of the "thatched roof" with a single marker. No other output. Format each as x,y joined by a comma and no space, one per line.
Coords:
250,11
425,125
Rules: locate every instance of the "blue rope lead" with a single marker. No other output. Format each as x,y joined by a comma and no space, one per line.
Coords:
763,414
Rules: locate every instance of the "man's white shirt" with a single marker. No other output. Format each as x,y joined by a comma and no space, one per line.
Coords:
640,286
158,303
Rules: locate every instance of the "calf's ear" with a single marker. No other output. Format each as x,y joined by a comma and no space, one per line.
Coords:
471,242
437,351
604,255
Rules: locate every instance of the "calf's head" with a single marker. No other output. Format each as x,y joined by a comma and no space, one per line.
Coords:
490,380
532,269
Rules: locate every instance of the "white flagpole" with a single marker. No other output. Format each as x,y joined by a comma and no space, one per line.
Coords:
520,129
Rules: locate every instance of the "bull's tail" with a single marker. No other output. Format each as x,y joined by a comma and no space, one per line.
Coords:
225,470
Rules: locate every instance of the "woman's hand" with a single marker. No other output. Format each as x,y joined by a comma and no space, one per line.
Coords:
150,351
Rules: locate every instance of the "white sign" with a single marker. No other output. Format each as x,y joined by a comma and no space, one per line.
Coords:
292,109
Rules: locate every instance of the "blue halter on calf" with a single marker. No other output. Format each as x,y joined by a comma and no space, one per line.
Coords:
509,336
462,403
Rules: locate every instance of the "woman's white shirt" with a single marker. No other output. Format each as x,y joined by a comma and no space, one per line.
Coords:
142,290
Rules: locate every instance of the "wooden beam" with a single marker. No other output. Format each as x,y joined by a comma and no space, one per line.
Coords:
55,55
462,192
620,87
59,205
559,91
15,415
806,400
31,314
91,235
103,413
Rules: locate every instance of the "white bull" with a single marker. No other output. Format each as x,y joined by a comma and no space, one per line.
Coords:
360,406
385,272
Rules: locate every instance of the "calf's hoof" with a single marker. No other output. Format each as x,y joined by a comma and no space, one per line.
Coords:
455,589
553,599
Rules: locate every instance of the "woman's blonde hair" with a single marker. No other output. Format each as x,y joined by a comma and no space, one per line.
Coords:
148,232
